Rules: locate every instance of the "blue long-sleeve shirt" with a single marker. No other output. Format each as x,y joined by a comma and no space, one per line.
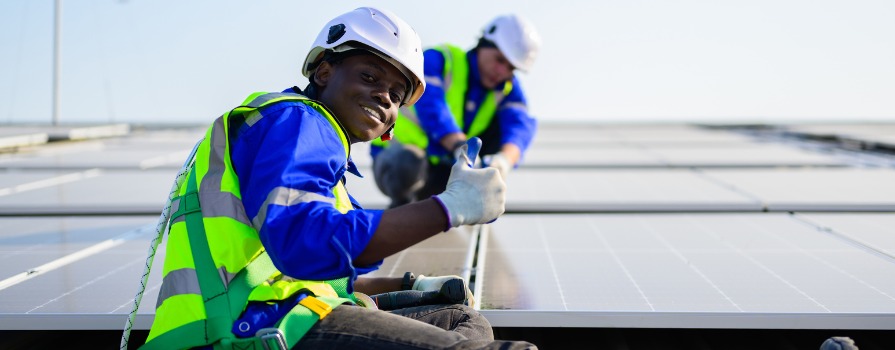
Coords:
295,147
516,125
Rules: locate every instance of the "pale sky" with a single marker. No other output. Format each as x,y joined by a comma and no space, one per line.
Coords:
188,61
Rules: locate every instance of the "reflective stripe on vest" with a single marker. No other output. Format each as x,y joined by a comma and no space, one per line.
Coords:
240,269
408,129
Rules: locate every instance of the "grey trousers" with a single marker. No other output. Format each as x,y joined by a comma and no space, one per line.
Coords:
421,327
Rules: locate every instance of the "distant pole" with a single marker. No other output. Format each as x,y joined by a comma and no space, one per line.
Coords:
57,65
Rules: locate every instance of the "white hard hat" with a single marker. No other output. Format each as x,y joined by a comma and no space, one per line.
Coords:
388,35
516,38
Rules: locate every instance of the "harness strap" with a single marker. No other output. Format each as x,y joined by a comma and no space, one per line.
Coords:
255,273
301,318
214,293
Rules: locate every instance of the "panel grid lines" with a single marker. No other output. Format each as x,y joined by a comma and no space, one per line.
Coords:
808,253
546,244
762,266
618,261
684,259
87,283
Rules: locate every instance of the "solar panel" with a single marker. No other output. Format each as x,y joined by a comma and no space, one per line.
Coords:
633,134
681,271
710,155
602,157
95,289
620,190
756,155
91,191
876,137
671,135
865,131
74,272
591,136
836,189
110,154
447,253
871,230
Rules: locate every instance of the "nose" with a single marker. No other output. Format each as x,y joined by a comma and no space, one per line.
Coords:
381,95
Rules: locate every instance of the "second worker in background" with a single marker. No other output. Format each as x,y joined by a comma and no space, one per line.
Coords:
470,93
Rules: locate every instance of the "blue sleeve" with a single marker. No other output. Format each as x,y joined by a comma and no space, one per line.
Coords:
293,149
432,109
516,125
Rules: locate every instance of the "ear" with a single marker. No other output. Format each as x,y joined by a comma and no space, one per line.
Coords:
322,74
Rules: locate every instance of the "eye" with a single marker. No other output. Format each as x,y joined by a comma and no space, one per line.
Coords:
396,96
368,77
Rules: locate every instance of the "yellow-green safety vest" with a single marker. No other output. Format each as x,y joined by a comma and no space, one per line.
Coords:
215,263
456,82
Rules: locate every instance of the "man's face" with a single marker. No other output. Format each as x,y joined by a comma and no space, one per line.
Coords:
364,92
494,68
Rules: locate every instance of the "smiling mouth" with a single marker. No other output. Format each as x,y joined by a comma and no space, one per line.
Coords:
373,114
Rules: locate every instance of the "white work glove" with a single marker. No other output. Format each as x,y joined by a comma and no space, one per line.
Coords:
472,196
434,283
462,148
458,148
500,162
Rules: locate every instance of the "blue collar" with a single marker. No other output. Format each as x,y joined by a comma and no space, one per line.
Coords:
352,168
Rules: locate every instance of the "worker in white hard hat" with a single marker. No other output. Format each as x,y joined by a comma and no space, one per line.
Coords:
472,93
266,245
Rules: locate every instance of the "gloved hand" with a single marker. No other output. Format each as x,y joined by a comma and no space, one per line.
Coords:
455,152
500,162
472,196
435,283
458,149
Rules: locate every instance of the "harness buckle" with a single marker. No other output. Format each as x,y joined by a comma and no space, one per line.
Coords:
266,335
316,306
